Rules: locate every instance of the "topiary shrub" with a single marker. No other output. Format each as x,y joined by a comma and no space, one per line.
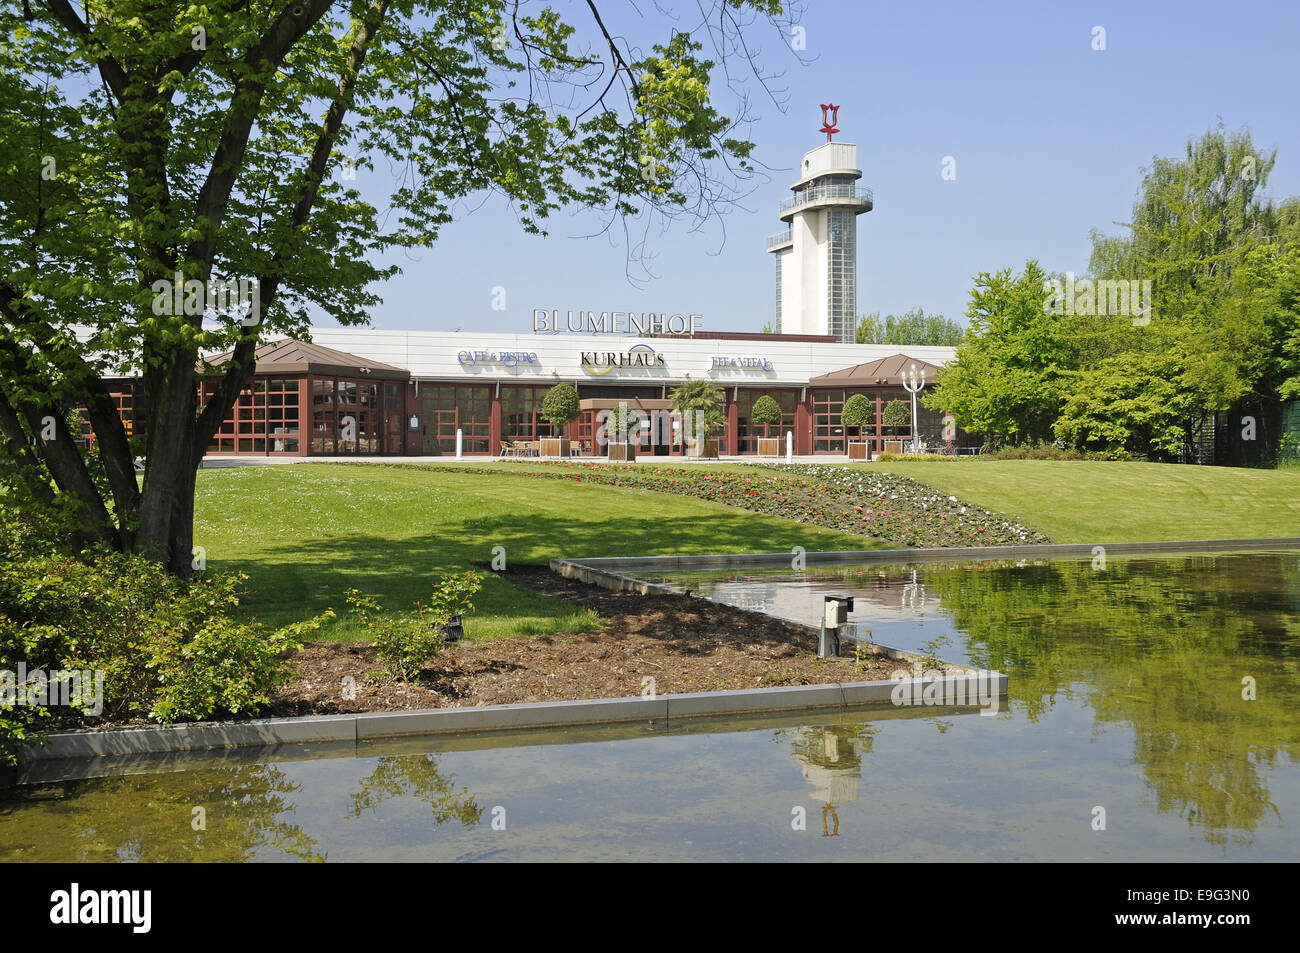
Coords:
766,411
560,406
897,413
859,411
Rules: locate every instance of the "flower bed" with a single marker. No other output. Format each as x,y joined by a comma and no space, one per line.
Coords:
879,505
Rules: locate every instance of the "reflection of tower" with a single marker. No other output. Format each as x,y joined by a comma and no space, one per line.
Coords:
913,594
831,760
817,256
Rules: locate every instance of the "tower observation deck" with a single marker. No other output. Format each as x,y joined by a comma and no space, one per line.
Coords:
817,255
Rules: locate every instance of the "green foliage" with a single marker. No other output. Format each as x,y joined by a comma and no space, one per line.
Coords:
404,645
622,423
897,413
860,411
766,411
700,400
142,165
226,666
1041,450
1008,379
560,405
167,649
1128,414
863,653
930,650
913,328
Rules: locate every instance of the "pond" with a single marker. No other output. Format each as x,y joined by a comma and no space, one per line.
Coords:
1162,692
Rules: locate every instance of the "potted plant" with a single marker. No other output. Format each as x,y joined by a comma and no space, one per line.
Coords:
560,407
620,421
896,415
700,405
767,411
859,411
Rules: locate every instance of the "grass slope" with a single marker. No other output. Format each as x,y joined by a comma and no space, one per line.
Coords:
1097,502
305,533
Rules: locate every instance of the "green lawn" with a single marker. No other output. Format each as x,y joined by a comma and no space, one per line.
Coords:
307,532
1098,502
1087,501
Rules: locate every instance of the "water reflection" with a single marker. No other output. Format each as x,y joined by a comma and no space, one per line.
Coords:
831,760
247,812
1197,656
244,811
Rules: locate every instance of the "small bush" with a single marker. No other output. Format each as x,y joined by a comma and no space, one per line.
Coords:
1041,450
167,649
226,666
406,645
897,413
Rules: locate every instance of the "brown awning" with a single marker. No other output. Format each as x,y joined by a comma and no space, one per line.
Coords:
886,372
633,403
288,356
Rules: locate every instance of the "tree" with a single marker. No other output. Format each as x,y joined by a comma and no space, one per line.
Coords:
621,421
860,411
766,411
913,328
1009,379
700,405
560,405
156,151
896,414
1216,252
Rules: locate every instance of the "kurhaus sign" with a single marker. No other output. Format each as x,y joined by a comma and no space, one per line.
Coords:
613,322
638,355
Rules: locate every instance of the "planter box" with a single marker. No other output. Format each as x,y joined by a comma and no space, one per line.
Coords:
769,446
894,446
556,446
709,450
858,451
622,452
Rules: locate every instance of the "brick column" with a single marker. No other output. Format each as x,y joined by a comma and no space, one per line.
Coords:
803,425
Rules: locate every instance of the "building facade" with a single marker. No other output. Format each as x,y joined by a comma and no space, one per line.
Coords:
365,392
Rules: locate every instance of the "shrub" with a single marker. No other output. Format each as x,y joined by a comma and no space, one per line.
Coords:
858,411
766,411
226,666
620,424
700,404
406,645
560,405
1042,450
897,413
166,648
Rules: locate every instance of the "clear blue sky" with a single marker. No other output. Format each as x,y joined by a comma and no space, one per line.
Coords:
1048,136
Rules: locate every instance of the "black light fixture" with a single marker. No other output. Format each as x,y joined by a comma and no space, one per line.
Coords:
453,631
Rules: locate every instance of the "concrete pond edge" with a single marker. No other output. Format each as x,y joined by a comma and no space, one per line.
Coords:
365,726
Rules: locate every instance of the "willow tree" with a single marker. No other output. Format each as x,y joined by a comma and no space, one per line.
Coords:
180,180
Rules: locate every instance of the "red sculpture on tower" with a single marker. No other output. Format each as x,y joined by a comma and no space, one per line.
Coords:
828,125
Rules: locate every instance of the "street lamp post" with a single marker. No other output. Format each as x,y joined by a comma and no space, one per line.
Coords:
913,382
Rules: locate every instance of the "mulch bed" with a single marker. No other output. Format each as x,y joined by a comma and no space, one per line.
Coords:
685,644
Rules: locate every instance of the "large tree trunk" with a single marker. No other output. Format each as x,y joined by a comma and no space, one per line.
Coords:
169,476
